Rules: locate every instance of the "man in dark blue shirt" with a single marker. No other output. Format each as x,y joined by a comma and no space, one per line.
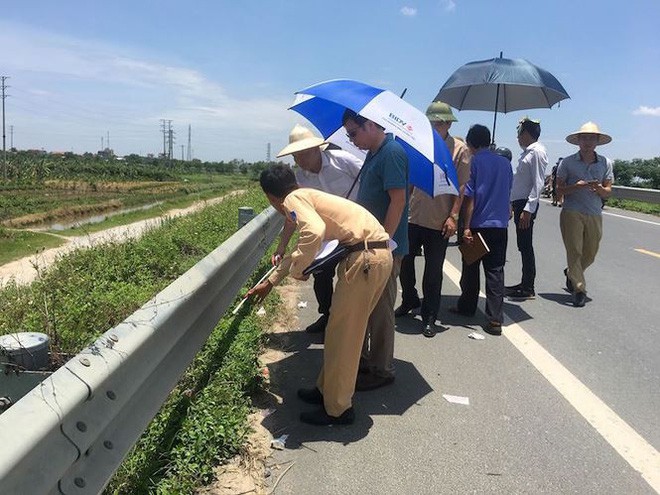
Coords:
487,213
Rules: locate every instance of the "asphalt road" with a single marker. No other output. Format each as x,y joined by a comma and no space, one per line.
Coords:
566,401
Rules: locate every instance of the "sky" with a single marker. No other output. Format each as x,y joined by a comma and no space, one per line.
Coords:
80,70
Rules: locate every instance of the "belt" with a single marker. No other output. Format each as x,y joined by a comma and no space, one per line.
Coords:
367,245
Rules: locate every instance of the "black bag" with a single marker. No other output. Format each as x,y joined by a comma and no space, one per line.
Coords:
327,262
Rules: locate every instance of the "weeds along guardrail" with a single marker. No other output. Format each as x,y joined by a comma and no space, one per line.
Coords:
636,194
70,433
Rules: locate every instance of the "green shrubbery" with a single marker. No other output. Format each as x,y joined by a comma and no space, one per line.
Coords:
88,292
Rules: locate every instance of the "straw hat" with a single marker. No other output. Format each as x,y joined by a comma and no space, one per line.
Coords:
300,138
589,128
439,111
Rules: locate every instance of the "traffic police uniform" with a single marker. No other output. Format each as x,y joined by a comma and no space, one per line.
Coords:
362,275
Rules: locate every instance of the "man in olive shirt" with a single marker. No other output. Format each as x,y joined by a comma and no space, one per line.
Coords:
431,223
361,277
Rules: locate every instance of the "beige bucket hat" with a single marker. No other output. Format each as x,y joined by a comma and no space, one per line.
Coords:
588,128
300,138
439,111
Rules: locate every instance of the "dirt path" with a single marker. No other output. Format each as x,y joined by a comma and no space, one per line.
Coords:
25,270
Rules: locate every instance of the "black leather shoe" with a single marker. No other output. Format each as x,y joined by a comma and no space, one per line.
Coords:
493,328
310,395
404,309
512,288
428,331
569,284
322,418
579,299
319,325
522,294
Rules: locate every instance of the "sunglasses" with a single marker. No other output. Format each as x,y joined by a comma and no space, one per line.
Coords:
353,133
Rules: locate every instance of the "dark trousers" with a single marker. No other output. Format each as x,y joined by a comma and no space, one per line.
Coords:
525,245
493,262
323,288
435,248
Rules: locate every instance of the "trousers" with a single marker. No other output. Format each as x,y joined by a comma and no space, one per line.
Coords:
378,346
435,249
493,262
581,235
353,301
525,246
323,288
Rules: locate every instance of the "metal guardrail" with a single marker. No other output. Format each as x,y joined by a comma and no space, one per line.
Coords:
636,194
71,433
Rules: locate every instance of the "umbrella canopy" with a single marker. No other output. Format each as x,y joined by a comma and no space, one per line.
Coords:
501,85
324,104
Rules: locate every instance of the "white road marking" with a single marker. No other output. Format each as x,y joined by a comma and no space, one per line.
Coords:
627,442
650,253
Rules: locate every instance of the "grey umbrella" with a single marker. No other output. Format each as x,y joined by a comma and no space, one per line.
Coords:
502,85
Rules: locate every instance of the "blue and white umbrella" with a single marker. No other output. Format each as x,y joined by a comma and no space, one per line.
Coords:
324,104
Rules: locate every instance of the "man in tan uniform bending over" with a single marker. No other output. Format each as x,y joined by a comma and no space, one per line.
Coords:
361,277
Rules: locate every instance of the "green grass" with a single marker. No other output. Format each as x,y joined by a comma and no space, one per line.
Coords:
640,206
15,244
203,421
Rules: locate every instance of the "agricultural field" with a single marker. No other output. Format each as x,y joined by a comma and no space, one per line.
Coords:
46,196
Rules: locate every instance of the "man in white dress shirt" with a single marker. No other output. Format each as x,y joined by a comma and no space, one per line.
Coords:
332,171
528,180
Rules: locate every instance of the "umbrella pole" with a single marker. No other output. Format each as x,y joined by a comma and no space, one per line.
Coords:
497,98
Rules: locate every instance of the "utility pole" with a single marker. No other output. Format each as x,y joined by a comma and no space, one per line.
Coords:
189,157
268,153
102,148
3,87
11,133
170,149
166,127
182,146
108,140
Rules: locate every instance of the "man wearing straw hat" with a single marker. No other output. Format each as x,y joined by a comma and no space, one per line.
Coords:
584,179
332,171
432,221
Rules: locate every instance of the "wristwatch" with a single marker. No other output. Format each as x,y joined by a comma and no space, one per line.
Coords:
454,216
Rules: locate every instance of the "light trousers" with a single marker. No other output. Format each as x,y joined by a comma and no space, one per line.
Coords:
353,300
581,234
378,348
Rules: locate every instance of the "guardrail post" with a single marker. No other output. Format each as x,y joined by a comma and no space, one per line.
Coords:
245,214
